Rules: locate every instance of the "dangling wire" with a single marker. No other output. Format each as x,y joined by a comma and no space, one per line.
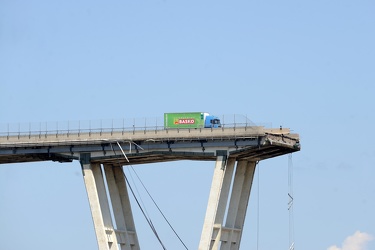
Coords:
165,218
144,211
290,203
147,217
138,193
144,214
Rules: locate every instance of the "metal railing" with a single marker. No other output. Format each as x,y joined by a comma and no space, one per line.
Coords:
105,125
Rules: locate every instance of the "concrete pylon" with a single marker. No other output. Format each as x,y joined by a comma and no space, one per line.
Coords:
109,238
215,234
125,232
243,180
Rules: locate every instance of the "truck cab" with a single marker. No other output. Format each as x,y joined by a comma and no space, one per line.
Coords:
212,122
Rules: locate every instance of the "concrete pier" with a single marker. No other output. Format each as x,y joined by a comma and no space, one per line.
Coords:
216,234
123,237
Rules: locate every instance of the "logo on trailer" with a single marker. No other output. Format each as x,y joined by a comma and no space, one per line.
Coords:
185,121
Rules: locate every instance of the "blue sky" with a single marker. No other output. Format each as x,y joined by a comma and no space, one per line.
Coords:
304,65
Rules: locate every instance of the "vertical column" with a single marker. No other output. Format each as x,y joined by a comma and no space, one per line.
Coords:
217,202
238,205
126,234
244,200
222,205
94,182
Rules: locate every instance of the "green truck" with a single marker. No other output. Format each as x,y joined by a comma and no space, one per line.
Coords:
191,120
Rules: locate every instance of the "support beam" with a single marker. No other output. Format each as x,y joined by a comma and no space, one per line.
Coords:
125,232
94,182
217,201
214,234
238,205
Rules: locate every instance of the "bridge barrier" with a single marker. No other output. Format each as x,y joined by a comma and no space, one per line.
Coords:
105,126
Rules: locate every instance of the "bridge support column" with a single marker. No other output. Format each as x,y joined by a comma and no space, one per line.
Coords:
125,232
243,180
109,238
214,234
217,201
99,206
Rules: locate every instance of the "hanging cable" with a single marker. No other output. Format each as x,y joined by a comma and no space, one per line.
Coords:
138,193
131,176
290,203
138,203
159,209
144,214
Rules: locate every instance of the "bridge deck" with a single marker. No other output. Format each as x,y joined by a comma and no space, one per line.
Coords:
146,146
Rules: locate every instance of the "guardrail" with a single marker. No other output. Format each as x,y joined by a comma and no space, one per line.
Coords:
105,125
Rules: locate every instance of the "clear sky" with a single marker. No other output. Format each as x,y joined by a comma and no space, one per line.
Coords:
305,65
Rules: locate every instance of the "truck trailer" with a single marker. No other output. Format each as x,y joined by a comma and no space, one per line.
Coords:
191,120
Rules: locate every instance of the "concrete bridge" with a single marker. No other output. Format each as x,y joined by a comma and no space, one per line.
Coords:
235,151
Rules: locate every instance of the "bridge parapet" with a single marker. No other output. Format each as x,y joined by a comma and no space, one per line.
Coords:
137,135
